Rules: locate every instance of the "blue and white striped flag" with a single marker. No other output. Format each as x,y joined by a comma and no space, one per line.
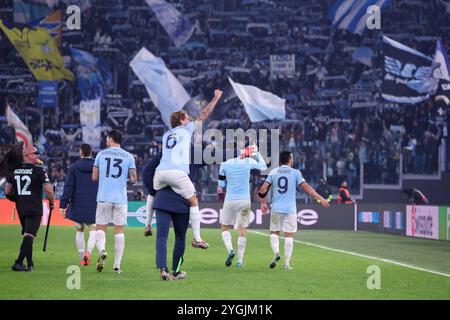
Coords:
352,14
166,92
178,27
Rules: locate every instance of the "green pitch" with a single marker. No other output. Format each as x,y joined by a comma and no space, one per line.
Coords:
319,273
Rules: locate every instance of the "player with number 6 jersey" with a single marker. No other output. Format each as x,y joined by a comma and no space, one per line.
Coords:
173,169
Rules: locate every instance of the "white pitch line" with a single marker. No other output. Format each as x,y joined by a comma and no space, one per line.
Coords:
363,256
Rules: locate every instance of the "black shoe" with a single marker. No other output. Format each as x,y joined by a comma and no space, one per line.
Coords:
229,258
30,267
18,266
273,264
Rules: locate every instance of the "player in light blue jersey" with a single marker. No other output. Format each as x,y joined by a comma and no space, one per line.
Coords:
234,175
113,169
173,169
284,181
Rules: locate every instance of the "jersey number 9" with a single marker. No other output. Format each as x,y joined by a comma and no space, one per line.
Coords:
282,185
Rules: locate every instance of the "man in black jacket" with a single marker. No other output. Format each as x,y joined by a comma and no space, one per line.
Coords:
25,185
79,201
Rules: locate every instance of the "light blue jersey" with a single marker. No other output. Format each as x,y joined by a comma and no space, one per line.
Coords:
234,174
113,164
176,148
284,181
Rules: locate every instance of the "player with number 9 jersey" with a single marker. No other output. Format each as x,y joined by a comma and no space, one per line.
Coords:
284,181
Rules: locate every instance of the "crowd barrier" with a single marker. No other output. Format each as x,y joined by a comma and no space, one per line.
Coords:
431,222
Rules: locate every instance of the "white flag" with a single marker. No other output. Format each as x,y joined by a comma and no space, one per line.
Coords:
22,132
166,91
90,122
260,105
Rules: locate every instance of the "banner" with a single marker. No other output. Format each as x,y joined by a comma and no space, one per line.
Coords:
406,73
22,132
351,15
6,214
282,65
48,94
422,222
30,10
90,122
178,27
93,74
40,53
165,90
260,105
308,217
53,24
385,218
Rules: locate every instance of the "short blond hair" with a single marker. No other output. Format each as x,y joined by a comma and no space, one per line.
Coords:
177,117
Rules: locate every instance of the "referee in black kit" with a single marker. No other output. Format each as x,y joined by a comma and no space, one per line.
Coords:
25,185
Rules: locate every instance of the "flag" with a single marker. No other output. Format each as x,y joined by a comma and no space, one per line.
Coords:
90,122
406,73
165,90
363,55
352,14
38,49
443,70
26,11
22,132
260,105
52,23
178,27
93,74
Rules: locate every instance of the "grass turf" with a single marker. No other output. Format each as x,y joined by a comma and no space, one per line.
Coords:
317,274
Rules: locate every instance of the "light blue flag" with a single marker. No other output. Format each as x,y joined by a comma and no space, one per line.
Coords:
260,105
177,26
93,74
352,14
165,90
27,11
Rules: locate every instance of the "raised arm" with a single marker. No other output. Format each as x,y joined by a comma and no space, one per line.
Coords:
260,162
210,107
310,190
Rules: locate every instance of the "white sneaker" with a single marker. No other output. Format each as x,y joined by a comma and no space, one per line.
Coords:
179,276
287,267
117,270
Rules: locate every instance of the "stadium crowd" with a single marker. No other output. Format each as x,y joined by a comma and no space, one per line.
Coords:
337,122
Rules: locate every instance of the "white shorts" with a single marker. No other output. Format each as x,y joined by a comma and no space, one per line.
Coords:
235,211
178,180
111,213
283,222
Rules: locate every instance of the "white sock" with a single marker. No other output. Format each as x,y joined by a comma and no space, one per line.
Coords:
288,247
81,245
100,240
275,243
119,245
149,209
226,237
194,216
242,242
91,241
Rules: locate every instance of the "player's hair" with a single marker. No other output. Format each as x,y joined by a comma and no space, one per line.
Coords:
285,156
86,150
116,136
177,117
